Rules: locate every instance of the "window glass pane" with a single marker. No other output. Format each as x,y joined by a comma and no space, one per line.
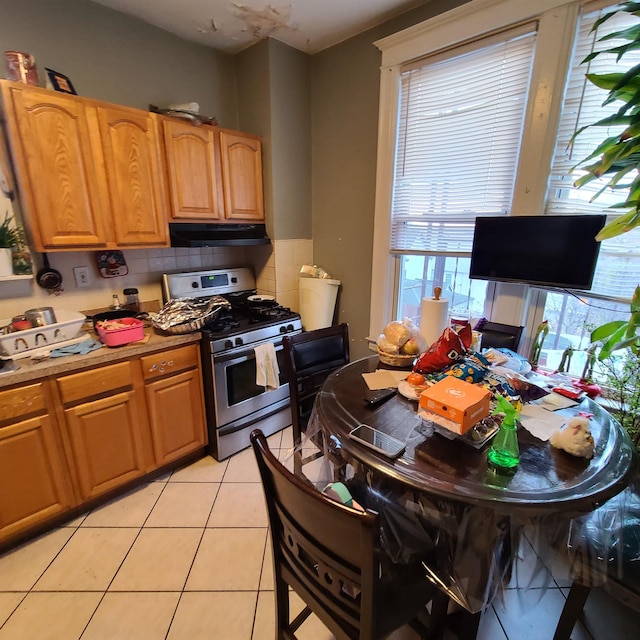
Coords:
571,321
458,141
419,276
618,269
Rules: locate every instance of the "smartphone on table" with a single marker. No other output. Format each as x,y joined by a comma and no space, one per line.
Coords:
377,440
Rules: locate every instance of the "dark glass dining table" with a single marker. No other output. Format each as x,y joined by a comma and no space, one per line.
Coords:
444,505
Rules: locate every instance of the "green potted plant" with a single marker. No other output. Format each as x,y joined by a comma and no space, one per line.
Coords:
10,236
619,356
617,158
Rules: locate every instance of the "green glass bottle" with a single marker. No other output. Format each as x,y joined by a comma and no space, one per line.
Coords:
504,452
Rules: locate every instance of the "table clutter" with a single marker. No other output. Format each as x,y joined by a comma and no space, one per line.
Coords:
444,376
491,447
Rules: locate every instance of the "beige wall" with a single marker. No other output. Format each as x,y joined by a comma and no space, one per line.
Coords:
344,97
112,57
273,101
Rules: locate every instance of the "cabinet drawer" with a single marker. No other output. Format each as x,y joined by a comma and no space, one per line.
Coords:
21,401
172,361
91,383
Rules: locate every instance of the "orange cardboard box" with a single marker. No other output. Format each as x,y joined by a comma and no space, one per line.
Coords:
461,402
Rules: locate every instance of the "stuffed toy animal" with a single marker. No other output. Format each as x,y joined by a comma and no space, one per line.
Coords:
575,438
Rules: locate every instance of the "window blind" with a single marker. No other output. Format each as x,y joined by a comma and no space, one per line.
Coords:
459,131
618,269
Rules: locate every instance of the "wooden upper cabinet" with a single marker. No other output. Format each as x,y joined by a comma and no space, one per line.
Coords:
131,148
241,159
193,176
56,168
90,173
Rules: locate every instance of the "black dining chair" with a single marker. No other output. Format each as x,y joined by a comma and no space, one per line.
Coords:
606,550
330,555
497,335
309,358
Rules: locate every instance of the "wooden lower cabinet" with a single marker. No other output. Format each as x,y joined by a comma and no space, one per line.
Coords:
175,402
176,415
67,441
34,479
106,441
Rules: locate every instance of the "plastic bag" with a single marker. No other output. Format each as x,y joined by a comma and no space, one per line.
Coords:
313,271
396,335
446,350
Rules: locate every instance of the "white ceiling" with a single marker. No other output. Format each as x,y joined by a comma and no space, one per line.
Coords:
233,25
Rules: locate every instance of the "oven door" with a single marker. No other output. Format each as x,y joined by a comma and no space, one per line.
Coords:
236,392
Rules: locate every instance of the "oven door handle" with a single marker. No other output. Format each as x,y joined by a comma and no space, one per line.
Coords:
243,353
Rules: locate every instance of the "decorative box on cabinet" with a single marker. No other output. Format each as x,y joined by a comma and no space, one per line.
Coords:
35,485
104,420
90,173
173,385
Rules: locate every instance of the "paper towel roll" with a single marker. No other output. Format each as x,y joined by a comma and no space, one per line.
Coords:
434,318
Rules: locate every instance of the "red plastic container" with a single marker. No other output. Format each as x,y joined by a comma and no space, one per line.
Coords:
132,332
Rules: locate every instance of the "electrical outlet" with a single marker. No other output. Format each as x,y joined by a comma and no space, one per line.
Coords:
81,275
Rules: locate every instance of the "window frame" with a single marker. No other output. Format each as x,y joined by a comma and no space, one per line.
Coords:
475,20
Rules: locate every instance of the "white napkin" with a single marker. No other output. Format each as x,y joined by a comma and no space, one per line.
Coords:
267,370
540,422
384,378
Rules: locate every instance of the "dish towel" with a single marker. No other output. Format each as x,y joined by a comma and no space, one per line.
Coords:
80,348
267,370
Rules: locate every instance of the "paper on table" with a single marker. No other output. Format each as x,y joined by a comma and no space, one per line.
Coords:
384,378
540,422
555,401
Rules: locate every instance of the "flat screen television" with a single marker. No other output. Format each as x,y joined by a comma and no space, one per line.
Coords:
556,251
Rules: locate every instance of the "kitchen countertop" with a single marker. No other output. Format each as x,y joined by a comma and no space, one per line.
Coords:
31,370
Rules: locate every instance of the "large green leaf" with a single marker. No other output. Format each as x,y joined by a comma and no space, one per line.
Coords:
606,330
620,225
613,342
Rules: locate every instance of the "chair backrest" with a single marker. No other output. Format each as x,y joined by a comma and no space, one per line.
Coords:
309,357
328,552
496,335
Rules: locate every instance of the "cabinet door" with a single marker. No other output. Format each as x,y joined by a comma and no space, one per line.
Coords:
34,485
106,443
176,415
191,164
241,157
130,143
56,168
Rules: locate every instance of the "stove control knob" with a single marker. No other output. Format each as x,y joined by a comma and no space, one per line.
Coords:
239,342
195,285
289,327
228,344
283,329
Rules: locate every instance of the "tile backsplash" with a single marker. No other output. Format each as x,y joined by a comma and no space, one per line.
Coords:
145,266
276,267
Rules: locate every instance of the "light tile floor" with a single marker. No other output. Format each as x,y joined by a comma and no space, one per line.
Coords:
186,557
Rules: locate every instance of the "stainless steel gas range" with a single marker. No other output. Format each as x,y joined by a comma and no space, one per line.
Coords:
235,403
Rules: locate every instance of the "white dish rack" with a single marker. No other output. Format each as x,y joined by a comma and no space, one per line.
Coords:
67,327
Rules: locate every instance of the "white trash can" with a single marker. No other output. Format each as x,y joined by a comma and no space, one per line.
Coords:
317,302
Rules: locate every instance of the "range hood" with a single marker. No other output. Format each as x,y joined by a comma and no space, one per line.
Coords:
217,235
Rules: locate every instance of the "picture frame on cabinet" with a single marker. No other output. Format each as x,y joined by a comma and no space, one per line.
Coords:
59,82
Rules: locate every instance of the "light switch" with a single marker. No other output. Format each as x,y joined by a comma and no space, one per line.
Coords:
81,275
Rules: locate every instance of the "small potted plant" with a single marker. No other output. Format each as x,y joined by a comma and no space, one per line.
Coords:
10,236
618,344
